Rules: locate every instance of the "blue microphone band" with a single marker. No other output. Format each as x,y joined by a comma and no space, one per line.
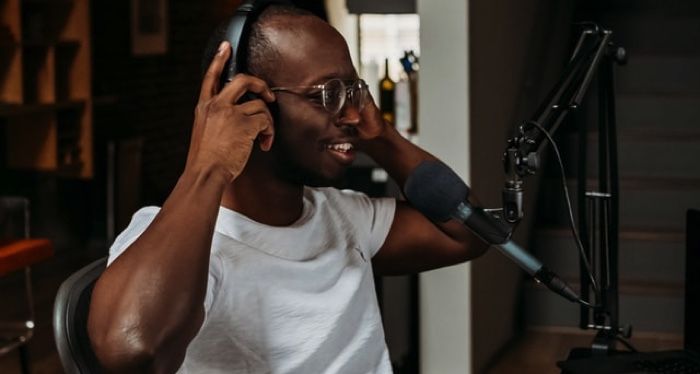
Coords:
520,257
492,231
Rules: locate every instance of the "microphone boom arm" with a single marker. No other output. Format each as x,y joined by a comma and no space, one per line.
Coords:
522,155
594,54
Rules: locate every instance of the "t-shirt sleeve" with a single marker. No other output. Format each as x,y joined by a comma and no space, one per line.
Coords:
375,216
213,281
139,223
384,210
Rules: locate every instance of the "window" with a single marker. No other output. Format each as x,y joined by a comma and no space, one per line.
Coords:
386,36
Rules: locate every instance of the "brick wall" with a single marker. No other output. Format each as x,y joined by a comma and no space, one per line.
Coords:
146,97
155,95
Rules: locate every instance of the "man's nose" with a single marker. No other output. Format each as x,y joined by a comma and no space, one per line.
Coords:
349,114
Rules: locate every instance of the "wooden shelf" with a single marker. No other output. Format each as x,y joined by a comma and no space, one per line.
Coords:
48,3
49,44
45,85
14,110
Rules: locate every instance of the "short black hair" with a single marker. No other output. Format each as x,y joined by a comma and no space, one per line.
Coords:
261,54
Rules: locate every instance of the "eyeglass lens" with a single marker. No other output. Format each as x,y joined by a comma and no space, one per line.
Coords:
336,92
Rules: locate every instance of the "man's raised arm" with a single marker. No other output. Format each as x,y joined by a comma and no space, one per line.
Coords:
149,303
414,243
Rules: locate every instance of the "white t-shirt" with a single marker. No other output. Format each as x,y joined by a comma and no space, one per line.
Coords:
295,299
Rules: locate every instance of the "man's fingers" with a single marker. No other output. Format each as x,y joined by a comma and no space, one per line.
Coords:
253,107
369,102
210,83
243,83
257,110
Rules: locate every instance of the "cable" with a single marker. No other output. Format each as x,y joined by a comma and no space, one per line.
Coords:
626,343
585,303
571,212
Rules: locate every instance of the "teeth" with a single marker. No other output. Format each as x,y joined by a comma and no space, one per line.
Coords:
342,147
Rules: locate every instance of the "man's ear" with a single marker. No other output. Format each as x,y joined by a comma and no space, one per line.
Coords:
274,109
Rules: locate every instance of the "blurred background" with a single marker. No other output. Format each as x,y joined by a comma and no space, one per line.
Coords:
97,101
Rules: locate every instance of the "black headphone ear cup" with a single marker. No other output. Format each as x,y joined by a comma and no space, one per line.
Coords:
248,96
234,32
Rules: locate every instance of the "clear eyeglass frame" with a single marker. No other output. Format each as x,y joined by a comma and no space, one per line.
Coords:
334,93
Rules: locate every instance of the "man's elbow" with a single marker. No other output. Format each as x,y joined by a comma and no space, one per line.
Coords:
119,352
129,350
124,347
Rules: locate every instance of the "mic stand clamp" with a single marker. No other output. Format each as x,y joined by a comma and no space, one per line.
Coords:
516,167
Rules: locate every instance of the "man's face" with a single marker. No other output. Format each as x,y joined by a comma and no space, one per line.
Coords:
311,144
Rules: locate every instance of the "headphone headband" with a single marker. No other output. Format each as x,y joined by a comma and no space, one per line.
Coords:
237,33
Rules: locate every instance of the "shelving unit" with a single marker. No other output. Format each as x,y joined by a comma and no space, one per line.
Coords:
45,85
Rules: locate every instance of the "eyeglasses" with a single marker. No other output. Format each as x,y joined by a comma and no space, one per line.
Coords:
333,94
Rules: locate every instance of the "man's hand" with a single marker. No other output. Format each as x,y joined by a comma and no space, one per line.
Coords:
372,124
224,131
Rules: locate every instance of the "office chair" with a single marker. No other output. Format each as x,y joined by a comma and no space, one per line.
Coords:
70,313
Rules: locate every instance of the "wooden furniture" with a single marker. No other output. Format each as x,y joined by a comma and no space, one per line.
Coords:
45,85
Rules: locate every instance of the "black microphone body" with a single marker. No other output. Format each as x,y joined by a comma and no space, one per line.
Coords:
436,191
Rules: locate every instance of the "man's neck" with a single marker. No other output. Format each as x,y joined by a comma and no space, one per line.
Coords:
265,198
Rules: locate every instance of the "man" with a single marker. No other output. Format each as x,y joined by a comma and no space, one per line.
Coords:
245,269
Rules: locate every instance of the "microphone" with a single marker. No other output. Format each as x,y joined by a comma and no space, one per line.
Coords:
440,194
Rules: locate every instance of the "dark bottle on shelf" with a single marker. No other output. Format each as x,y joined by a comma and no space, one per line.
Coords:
412,72
386,95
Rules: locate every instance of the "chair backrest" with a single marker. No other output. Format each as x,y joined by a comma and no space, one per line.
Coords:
70,315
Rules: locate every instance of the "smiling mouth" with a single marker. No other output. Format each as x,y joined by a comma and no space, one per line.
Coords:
340,147
342,152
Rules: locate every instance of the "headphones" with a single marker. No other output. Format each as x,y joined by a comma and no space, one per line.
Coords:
237,30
